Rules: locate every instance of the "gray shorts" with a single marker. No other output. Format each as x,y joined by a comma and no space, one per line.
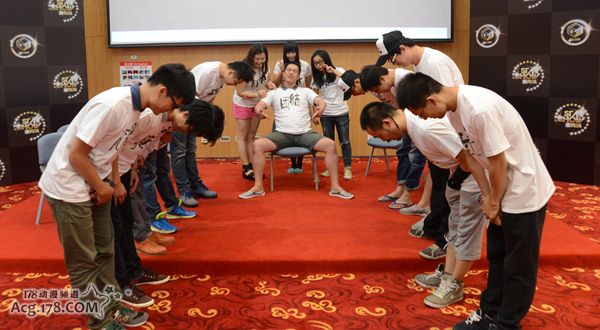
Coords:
307,140
466,223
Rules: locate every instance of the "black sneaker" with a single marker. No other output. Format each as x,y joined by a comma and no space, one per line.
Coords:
202,191
129,318
135,297
476,321
148,277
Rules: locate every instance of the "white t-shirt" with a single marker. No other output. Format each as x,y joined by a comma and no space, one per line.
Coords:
208,80
291,108
144,139
254,86
488,125
305,71
440,67
333,96
438,141
390,97
105,124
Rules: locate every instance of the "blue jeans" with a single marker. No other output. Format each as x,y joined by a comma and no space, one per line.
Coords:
342,125
156,170
183,161
410,164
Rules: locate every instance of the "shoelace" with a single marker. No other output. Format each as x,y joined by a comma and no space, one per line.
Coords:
474,317
445,288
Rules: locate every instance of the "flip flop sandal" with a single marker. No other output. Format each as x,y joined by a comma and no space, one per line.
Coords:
395,205
387,198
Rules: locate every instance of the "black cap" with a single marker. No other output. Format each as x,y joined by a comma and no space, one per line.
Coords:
388,45
346,83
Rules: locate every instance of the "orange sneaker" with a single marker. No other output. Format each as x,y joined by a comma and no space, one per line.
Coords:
161,239
150,247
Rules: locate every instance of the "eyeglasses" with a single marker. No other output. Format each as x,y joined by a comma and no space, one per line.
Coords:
393,58
175,105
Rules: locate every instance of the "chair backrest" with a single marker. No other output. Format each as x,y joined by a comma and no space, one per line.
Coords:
63,128
46,145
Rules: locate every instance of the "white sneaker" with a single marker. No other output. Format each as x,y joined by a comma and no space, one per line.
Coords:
449,292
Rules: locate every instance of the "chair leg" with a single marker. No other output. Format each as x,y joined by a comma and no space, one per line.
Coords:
271,175
314,170
387,166
369,162
40,206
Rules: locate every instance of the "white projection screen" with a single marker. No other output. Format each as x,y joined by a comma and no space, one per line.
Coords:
196,22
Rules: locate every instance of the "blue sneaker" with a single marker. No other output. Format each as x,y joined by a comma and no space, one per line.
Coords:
202,191
298,171
162,226
178,212
291,170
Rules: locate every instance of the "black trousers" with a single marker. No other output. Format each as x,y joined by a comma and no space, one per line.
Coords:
513,250
127,262
436,223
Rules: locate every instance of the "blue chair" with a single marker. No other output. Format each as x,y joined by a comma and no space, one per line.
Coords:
63,128
296,152
379,143
45,146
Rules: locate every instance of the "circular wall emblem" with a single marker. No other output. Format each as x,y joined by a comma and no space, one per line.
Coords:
31,123
70,82
530,73
2,169
575,32
487,35
23,45
532,3
67,9
574,117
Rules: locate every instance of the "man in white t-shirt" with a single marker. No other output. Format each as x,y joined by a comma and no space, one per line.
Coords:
496,135
77,179
291,106
441,145
210,79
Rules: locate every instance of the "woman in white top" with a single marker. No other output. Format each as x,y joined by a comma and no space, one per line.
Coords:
335,117
245,98
291,53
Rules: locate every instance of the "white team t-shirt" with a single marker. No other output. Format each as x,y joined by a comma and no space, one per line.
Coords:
208,80
488,125
438,141
305,71
145,138
291,108
440,67
333,96
105,124
257,83
390,97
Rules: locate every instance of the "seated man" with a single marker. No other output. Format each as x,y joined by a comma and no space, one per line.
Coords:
293,128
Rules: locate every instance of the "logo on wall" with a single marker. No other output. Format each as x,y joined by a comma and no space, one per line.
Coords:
532,3
70,82
530,73
67,9
575,117
575,32
31,123
2,169
23,45
487,35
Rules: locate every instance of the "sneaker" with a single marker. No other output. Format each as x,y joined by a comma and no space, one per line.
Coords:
135,297
415,210
248,174
432,252
431,281
347,173
449,292
188,200
251,194
203,192
150,248
298,171
476,320
291,170
129,318
113,325
148,277
419,233
341,194
162,226
178,212
325,173
419,224
161,239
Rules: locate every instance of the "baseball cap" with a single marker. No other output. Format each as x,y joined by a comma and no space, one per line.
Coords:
388,45
346,82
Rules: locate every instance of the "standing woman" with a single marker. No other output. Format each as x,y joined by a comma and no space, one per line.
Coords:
291,53
335,117
245,98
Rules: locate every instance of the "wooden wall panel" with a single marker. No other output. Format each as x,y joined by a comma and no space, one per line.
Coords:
103,65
